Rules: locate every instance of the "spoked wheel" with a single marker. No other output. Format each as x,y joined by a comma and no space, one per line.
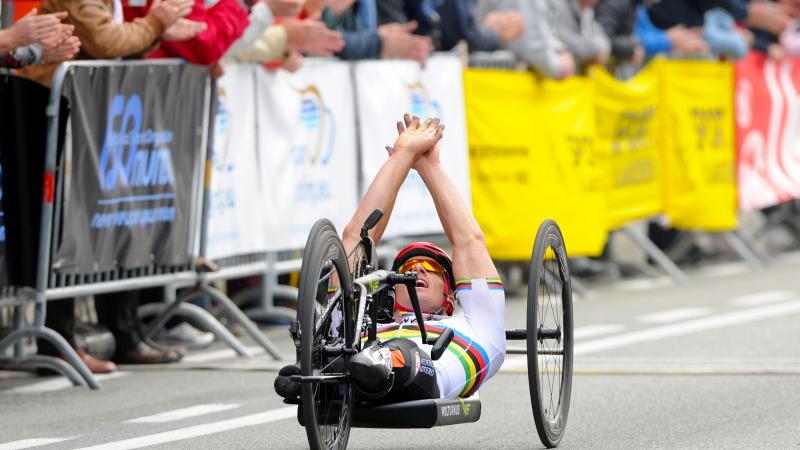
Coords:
549,336
326,322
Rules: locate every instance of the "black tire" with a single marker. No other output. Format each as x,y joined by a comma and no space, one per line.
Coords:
326,407
549,338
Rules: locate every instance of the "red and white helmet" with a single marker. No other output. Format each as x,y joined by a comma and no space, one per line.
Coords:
442,258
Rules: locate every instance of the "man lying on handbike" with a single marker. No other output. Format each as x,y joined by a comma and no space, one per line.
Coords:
470,278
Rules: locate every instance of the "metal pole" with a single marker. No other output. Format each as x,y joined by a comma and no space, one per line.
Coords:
7,14
654,252
750,241
743,250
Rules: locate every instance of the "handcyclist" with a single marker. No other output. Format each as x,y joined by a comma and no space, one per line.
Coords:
469,278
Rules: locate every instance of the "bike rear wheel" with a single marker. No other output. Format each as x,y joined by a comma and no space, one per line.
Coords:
549,334
326,405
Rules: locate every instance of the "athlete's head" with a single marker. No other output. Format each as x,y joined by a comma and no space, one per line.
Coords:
435,281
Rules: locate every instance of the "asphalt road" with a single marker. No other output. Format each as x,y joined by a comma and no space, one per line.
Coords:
711,364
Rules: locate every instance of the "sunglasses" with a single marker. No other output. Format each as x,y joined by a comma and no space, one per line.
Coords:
430,266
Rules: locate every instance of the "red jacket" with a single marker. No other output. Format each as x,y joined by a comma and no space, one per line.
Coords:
225,22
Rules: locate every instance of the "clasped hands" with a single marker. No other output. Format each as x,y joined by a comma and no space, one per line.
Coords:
418,139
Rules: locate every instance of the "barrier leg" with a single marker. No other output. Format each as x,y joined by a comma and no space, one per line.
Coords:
654,252
162,319
750,241
237,315
202,318
76,372
740,247
267,311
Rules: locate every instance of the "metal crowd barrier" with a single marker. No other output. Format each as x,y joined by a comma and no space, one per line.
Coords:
52,284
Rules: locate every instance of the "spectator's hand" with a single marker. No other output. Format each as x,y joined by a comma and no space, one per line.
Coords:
508,24
285,8
294,61
63,51
792,7
183,30
776,51
684,40
338,7
45,29
217,70
638,56
311,36
169,11
567,65
398,42
417,138
768,16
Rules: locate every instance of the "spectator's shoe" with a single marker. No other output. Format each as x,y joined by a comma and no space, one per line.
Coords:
185,335
145,354
286,388
371,371
95,365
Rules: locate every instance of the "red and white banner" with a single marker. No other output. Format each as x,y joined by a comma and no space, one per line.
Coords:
767,130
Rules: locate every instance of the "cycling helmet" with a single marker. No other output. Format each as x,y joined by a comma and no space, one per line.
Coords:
443,259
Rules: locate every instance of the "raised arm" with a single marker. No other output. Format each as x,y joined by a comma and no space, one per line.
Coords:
470,257
414,141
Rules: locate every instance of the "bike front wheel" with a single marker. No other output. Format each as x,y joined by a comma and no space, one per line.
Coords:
326,322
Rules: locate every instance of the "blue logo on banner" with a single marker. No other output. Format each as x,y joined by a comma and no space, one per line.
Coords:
132,158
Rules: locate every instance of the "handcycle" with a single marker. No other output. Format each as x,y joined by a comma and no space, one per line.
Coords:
340,306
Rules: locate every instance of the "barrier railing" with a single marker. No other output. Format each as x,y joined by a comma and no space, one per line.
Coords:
130,219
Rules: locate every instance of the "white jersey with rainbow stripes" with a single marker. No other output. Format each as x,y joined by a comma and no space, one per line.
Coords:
479,343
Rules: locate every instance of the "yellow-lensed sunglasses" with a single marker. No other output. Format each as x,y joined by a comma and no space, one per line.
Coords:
430,266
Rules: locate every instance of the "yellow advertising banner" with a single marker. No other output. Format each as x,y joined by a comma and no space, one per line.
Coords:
698,150
532,157
628,142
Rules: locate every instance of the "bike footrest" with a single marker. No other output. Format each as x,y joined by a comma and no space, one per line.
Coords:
418,413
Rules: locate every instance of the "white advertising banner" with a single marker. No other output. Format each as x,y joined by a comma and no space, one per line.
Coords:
307,144
386,90
236,209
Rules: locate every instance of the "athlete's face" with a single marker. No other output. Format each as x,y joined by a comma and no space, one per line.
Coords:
430,288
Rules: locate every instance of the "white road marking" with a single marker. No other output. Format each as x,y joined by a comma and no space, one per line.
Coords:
724,270
693,326
28,443
665,331
60,383
763,298
199,430
644,284
674,315
595,330
183,413
215,355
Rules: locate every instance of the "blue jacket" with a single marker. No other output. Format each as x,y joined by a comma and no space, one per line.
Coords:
653,39
360,42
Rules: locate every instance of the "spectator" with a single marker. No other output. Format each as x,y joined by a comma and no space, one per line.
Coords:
365,39
575,26
450,21
36,39
285,42
723,36
678,39
537,45
617,17
225,21
104,35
